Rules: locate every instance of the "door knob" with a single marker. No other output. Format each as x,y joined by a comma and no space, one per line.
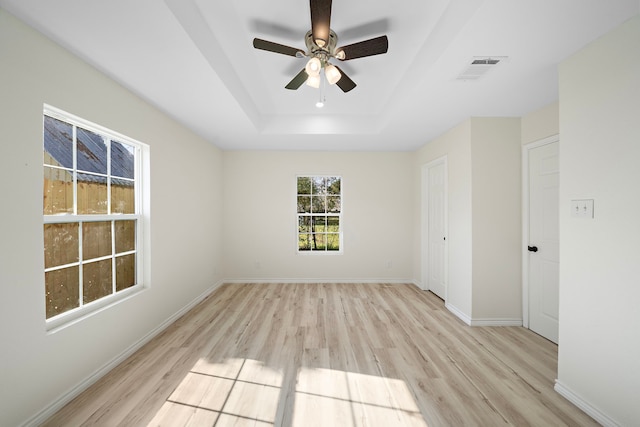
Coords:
532,248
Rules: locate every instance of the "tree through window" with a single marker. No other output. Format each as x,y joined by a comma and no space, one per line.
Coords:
319,213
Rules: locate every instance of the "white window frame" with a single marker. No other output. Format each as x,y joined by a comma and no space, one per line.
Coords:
339,215
141,216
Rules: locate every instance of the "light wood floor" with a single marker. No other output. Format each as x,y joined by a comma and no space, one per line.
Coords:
329,355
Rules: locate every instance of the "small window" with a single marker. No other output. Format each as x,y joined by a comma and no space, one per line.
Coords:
319,214
92,192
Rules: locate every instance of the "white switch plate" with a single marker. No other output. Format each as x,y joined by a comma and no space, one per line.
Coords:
582,208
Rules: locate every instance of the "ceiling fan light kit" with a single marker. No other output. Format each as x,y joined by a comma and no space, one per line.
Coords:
314,81
321,42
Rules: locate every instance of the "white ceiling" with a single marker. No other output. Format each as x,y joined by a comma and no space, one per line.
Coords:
194,60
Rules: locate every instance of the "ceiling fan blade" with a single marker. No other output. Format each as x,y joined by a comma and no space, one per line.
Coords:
345,83
369,47
276,47
298,80
320,21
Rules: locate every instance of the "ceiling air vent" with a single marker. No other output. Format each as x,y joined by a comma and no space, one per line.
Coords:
479,66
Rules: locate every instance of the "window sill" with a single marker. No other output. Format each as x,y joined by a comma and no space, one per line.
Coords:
320,253
71,317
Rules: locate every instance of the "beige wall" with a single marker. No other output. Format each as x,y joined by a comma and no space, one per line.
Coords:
496,220
260,216
185,172
599,352
540,124
484,218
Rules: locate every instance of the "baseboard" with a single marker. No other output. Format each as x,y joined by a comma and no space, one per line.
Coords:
496,322
67,397
585,406
459,314
482,322
319,280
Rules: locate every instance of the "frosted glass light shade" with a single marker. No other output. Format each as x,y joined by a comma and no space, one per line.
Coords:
332,73
313,67
314,81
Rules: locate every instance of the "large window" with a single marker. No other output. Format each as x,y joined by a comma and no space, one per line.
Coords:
92,215
319,213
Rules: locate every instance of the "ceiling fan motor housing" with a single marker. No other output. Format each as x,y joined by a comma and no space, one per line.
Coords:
322,53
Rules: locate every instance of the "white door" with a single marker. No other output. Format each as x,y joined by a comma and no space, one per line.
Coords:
543,248
436,228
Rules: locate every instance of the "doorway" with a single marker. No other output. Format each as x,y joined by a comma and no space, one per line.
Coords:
540,259
434,227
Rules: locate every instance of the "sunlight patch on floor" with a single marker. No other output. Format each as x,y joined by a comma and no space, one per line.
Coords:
237,392
327,397
245,392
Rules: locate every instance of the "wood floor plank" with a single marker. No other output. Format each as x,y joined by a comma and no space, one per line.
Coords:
301,354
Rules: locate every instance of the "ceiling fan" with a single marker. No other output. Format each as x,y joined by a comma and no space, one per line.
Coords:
321,42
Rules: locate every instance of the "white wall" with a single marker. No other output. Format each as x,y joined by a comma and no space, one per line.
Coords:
36,368
456,145
260,216
496,220
599,352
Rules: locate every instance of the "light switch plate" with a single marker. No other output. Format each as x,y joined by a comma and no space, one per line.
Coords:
582,208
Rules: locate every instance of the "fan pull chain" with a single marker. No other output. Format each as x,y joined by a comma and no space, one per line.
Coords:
323,83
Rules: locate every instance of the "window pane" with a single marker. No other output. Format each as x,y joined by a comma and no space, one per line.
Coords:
92,152
304,204
60,244
333,204
125,236
333,224
319,185
304,224
123,197
304,242
92,194
318,204
96,280
318,242
319,224
57,197
122,160
333,185
304,185
125,272
96,239
62,289
58,143
333,242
